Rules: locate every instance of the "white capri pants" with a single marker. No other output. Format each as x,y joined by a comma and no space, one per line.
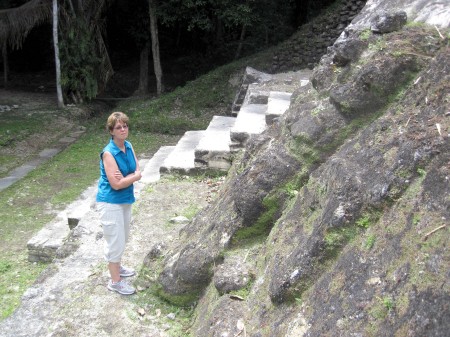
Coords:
115,220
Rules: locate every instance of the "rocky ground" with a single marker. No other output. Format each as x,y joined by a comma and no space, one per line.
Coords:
71,298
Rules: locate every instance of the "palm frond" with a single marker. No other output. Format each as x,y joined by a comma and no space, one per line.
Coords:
16,23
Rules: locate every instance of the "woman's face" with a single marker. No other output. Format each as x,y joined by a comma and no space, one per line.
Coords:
120,130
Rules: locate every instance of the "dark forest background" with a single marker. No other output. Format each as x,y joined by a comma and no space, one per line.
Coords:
195,36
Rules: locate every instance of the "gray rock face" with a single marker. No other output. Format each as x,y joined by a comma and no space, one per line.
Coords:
347,51
387,22
372,84
334,201
232,275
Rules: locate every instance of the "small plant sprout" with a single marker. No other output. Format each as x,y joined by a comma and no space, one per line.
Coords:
370,241
388,303
421,172
364,222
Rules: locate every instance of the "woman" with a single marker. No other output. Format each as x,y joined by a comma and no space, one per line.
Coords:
119,169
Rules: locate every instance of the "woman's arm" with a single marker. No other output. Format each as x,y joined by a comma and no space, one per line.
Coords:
136,160
115,177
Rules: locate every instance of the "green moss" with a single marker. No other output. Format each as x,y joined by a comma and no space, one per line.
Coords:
182,300
421,172
310,218
378,44
336,238
416,219
262,226
364,221
291,189
369,218
245,291
382,307
365,34
149,301
303,149
415,24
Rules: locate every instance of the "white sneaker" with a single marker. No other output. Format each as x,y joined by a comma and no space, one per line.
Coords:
126,272
122,287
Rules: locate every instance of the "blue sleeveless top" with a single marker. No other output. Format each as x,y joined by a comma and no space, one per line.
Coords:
127,164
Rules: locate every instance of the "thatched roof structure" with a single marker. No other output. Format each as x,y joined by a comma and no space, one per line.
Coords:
16,23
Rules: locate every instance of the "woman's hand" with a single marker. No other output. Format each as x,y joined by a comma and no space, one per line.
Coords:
135,176
118,175
138,175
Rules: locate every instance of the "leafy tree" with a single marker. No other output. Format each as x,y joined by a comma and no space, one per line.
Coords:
230,24
85,62
79,63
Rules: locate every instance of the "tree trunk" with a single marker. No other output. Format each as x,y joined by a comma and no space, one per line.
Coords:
5,63
219,32
155,46
143,71
56,47
241,41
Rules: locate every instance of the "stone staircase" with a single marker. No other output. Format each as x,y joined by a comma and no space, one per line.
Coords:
262,99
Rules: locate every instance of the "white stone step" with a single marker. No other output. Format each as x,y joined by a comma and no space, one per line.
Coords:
256,94
181,159
277,105
43,246
213,150
151,172
250,120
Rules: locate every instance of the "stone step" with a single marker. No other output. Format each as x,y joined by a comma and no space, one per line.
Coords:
181,159
213,150
277,104
250,120
151,171
44,246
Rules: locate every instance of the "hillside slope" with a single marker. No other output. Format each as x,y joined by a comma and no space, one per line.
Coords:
334,222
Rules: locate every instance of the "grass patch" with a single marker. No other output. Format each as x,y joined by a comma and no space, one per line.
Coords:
16,275
15,128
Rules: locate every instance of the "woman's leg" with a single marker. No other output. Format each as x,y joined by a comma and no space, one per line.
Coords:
113,217
114,271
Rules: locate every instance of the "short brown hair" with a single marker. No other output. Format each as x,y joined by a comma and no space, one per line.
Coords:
114,118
